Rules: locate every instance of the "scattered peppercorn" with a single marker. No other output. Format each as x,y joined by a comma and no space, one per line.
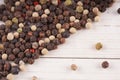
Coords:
118,10
99,46
105,64
74,67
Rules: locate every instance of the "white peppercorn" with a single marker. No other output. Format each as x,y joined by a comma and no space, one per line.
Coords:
35,14
33,27
38,7
85,12
77,20
35,45
47,11
58,26
44,16
72,18
21,25
22,67
61,30
97,18
73,30
88,25
4,56
10,76
47,40
44,51
34,78
79,3
17,3
41,42
10,36
52,37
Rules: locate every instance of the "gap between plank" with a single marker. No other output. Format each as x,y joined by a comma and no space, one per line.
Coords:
79,58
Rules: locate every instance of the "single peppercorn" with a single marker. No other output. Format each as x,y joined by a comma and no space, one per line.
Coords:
99,46
118,10
105,64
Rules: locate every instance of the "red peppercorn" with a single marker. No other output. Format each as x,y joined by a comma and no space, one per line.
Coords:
59,1
32,50
36,3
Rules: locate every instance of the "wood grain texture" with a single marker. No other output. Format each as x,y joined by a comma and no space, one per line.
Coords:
80,49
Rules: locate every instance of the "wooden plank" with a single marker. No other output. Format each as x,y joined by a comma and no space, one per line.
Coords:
59,69
82,44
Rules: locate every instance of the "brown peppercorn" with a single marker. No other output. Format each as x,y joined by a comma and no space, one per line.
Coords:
118,10
74,67
105,64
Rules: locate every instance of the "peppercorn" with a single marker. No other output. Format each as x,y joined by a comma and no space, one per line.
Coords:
105,64
44,51
99,46
118,10
10,36
8,23
38,7
10,77
74,67
15,70
68,2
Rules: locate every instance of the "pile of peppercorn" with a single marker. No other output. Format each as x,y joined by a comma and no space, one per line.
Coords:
34,27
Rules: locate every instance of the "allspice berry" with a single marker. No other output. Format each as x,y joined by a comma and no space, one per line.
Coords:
105,64
99,46
74,67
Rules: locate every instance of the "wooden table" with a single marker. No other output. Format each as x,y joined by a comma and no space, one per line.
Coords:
80,50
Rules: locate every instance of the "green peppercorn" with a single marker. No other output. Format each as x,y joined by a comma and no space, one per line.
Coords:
19,30
43,1
68,2
79,9
15,20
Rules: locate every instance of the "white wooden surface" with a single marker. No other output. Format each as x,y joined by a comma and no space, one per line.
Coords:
79,49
